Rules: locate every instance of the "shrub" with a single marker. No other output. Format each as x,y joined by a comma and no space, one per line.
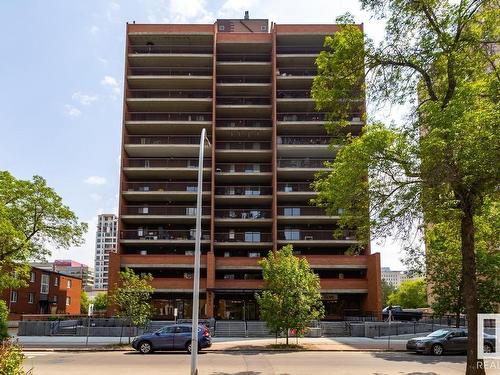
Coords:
4,313
11,359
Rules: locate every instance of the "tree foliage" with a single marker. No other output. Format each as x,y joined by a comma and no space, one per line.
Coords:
440,164
387,289
132,297
32,218
100,301
4,315
291,297
411,294
444,261
84,302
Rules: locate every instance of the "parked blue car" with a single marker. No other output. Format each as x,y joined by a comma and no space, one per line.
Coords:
173,337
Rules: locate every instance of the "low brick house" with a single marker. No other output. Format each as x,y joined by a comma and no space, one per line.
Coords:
47,292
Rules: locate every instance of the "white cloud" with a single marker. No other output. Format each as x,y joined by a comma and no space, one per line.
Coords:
84,99
72,111
95,197
180,11
102,60
109,81
114,6
94,29
95,180
235,8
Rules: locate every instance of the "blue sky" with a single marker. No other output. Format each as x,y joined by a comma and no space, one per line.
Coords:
61,69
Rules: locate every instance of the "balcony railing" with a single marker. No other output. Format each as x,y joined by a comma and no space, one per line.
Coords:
163,140
298,49
246,57
243,79
290,187
244,123
243,100
301,163
160,234
246,214
298,71
168,48
169,71
169,116
301,211
316,140
287,94
242,168
234,145
252,237
249,190
310,116
190,187
165,163
160,93
314,235
165,210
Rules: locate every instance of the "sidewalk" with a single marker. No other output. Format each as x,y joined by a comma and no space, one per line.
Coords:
71,343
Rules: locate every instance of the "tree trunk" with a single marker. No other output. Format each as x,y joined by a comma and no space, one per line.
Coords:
287,337
474,366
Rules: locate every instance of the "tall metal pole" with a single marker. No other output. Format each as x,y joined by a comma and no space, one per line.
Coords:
197,256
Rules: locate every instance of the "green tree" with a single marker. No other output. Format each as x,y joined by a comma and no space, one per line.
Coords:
291,297
100,301
441,162
132,298
4,315
410,295
32,217
84,302
387,289
444,261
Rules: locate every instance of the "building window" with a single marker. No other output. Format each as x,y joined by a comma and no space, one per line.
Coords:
13,296
68,301
292,234
68,284
30,297
56,281
291,211
44,287
221,27
263,28
54,298
252,236
32,277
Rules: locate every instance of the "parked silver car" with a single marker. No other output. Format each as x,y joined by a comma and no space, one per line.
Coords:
449,340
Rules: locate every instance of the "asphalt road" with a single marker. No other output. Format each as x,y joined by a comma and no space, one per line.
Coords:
238,363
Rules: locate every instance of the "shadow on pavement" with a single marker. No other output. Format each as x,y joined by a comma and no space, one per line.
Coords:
238,373
162,353
420,358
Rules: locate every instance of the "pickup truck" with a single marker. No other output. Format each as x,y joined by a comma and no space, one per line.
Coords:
401,314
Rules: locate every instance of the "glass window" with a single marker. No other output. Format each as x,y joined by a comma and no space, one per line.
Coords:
56,281
252,236
32,277
68,301
54,298
291,211
13,296
68,284
44,287
292,234
30,297
170,329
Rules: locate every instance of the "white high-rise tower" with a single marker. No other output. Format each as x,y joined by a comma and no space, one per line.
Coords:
106,237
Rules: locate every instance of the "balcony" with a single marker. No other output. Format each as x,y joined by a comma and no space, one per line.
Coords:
243,79
160,261
161,191
162,237
185,71
246,150
243,239
237,263
295,191
243,217
245,106
239,123
241,194
358,286
163,145
243,172
176,103
232,284
178,168
244,57
190,50
167,78
167,122
306,146
315,237
299,49
176,285
301,214
305,168
146,214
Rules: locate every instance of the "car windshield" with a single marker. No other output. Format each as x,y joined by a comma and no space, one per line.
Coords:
438,333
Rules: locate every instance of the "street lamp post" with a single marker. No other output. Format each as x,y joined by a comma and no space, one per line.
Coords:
197,256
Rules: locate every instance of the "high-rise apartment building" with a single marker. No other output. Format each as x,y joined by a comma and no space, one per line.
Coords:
248,83
105,242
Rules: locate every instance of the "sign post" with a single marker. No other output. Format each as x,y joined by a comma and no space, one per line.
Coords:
89,315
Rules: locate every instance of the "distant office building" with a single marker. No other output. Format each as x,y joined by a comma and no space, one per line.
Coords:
47,292
105,242
71,268
396,278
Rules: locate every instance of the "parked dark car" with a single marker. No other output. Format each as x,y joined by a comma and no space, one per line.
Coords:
449,340
402,314
172,337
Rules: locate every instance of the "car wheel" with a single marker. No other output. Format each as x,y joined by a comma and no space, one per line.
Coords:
437,349
487,348
189,347
145,347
